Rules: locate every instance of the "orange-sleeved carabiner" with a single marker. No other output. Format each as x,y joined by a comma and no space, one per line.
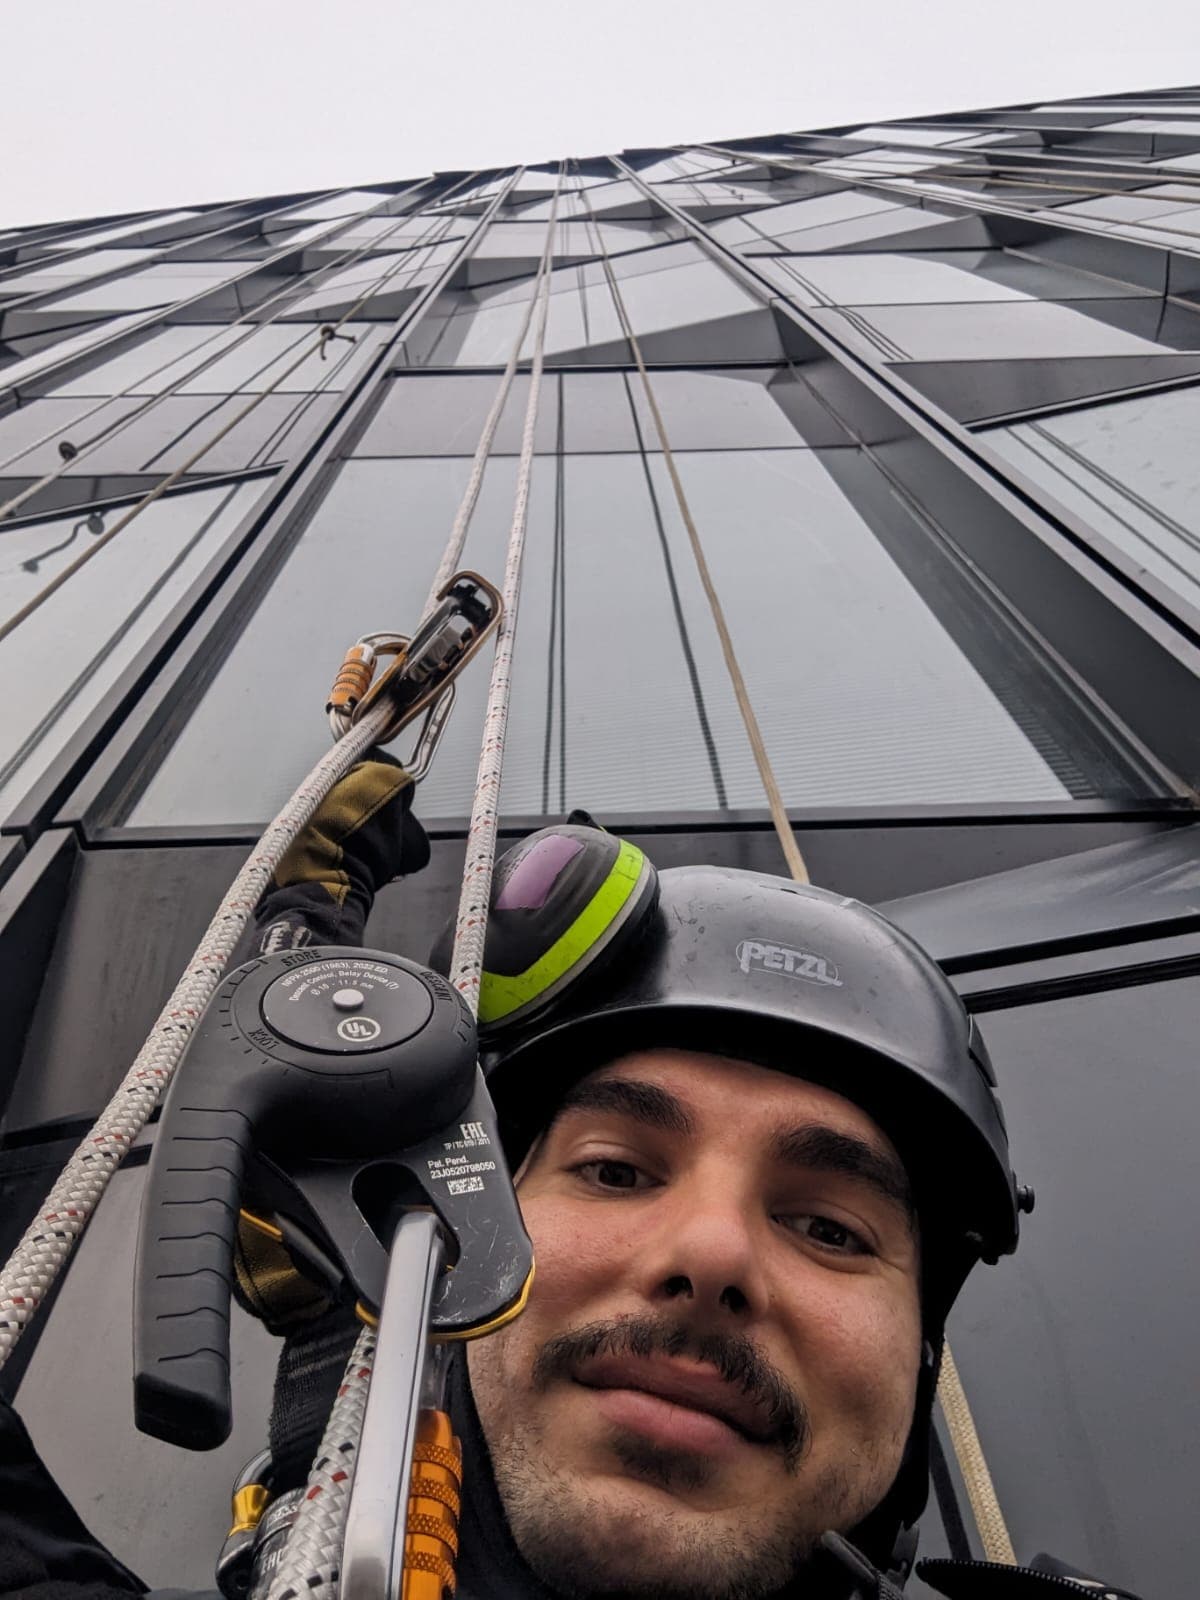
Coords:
434,1503
353,678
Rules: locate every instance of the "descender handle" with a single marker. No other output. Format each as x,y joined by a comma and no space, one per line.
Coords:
184,1273
325,1060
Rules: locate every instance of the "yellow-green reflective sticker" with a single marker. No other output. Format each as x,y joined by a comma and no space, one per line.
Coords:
499,996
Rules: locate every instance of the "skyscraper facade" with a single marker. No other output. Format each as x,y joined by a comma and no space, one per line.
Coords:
928,394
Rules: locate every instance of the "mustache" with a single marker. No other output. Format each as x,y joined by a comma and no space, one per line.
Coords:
735,1358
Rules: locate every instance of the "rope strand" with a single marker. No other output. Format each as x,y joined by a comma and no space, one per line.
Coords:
766,773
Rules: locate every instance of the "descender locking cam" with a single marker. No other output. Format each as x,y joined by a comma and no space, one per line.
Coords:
421,676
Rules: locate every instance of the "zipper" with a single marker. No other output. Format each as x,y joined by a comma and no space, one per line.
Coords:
929,1570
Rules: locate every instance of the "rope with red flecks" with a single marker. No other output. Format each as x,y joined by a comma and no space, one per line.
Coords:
48,1241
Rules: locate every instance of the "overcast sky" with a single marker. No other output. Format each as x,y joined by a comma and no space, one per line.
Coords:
118,105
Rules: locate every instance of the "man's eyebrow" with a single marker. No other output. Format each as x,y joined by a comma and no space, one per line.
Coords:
629,1097
819,1148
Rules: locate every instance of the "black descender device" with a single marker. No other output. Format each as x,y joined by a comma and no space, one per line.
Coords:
336,1088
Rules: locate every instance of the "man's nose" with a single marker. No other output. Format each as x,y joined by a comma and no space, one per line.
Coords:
705,1249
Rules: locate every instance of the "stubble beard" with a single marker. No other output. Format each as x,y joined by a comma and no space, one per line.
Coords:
584,1544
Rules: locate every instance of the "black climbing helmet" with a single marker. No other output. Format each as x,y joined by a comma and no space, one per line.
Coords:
591,954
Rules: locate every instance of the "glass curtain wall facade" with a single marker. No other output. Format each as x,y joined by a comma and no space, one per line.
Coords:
932,390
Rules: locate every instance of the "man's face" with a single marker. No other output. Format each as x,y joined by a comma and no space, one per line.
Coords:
719,1357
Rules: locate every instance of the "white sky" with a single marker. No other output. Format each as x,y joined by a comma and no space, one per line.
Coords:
120,105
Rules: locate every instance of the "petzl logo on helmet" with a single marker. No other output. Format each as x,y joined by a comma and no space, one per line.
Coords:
755,954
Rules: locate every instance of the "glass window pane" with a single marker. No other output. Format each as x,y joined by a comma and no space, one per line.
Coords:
338,205
897,224
880,704
390,280
745,408
895,692
444,416
818,211
243,358
285,713
870,279
1118,207
983,332
608,200
24,371
692,312
152,286
735,408
886,163
147,229
1156,125
58,272
901,133
1104,1128
21,454
62,659
1131,470
712,198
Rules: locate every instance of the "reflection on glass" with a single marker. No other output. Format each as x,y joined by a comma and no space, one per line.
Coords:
863,693
25,370
382,527
818,211
159,440
139,291
875,683
445,415
60,272
387,282
688,311
983,332
1131,470
60,661
242,357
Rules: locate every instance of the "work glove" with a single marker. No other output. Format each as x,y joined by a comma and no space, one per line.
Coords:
361,837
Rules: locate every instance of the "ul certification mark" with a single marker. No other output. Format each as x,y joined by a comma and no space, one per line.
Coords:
358,1030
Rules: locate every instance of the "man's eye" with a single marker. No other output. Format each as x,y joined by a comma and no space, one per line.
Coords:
611,1174
829,1235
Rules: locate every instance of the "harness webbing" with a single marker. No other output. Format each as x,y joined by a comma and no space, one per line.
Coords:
309,1566
964,1437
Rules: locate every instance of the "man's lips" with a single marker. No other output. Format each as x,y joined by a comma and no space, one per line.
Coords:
695,1386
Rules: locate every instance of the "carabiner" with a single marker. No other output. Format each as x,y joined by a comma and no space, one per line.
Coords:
424,667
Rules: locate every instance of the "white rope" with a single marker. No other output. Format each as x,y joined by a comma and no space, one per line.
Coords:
470,929
50,1238
310,1563
458,534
